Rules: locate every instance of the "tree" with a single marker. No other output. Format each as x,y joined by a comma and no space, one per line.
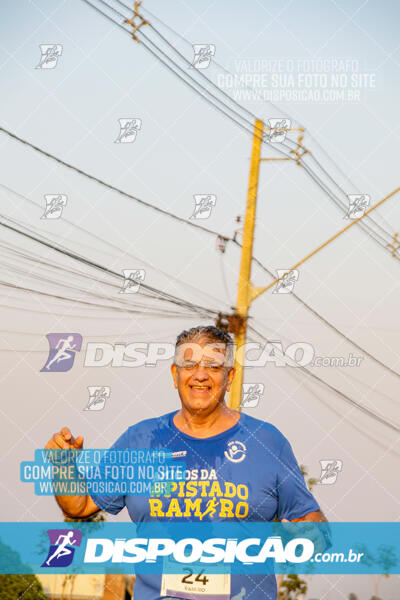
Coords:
26,587
13,587
70,578
292,587
384,559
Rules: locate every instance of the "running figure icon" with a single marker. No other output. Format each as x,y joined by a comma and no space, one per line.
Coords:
63,543
62,353
63,348
62,549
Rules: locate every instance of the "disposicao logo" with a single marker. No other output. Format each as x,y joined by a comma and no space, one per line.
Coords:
62,547
62,351
187,550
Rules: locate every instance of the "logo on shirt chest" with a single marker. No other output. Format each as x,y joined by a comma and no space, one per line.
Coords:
235,452
179,454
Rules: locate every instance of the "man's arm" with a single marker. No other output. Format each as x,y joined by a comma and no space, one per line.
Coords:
315,516
74,507
320,537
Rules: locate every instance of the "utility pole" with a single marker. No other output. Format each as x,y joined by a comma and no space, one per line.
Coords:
245,289
247,292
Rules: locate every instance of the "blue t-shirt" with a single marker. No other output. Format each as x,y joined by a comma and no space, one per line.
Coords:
248,472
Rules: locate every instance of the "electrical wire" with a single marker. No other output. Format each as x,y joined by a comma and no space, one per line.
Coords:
200,227
329,324
120,306
85,302
344,396
377,417
152,292
252,115
108,185
114,246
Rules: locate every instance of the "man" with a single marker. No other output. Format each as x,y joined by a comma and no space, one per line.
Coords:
237,467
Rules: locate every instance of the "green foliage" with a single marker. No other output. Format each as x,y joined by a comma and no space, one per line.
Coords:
292,587
26,587
311,481
384,559
10,560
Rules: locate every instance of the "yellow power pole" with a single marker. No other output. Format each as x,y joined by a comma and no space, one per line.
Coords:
245,289
248,292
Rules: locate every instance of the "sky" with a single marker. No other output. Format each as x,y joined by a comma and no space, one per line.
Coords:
185,147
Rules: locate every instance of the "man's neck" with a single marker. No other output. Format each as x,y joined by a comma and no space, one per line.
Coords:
206,425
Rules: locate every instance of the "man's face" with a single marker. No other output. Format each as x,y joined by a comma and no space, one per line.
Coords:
200,375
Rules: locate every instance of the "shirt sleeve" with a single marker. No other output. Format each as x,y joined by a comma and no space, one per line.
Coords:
294,499
113,504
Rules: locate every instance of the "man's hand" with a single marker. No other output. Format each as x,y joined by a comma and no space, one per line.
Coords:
315,516
64,440
79,507
319,537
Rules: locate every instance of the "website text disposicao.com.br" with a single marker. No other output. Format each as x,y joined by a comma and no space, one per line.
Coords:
338,557
212,551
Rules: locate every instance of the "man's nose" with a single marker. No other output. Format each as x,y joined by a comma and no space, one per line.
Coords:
200,373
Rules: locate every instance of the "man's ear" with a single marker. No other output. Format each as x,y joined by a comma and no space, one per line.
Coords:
231,375
174,371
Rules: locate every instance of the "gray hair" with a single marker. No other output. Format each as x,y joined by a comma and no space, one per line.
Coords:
209,333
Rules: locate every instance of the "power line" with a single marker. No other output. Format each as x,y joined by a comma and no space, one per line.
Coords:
174,72
109,185
119,304
351,422
385,232
344,396
317,180
179,302
196,226
154,292
303,369
112,245
329,324
332,238
87,303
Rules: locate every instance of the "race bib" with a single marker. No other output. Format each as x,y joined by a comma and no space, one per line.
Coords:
195,582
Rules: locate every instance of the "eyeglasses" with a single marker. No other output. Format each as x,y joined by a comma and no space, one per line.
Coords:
211,367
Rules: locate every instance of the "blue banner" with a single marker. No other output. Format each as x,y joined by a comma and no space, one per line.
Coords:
240,547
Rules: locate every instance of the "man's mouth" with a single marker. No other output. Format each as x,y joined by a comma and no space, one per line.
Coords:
202,388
